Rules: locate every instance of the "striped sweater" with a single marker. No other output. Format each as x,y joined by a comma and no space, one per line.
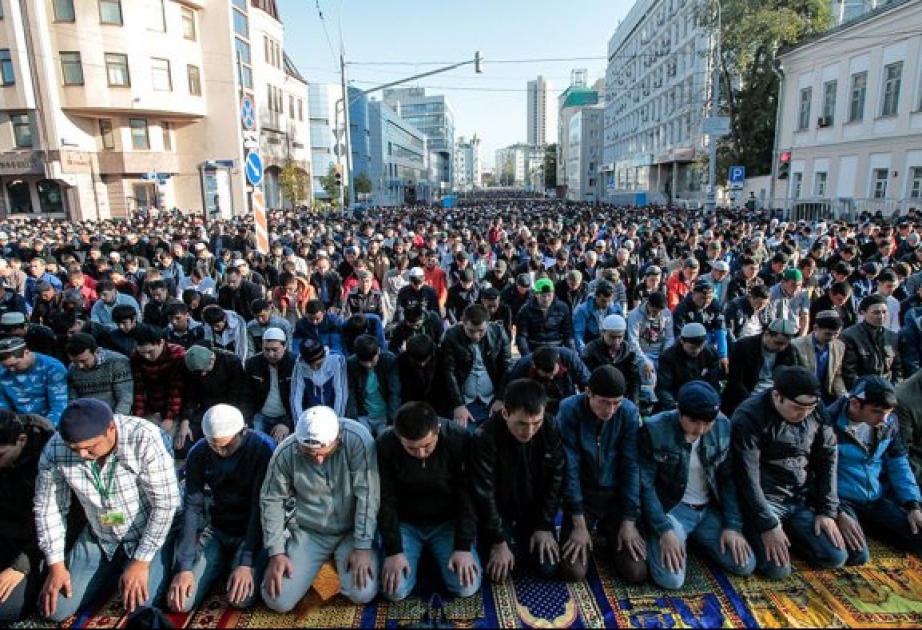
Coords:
159,385
109,381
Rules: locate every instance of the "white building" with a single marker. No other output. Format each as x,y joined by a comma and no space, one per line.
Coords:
657,92
520,165
325,125
110,106
542,113
576,97
850,123
584,154
467,164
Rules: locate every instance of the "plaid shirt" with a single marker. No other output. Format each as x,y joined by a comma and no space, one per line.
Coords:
143,489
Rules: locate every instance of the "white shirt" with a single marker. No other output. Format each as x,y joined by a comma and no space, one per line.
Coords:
696,490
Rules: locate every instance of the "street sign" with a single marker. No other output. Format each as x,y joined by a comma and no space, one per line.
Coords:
736,177
150,176
254,168
715,126
248,112
259,221
250,140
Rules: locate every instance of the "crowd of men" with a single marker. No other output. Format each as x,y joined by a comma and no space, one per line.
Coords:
513,383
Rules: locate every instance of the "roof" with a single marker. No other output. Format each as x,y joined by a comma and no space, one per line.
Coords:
887,7
290,68
268,6
578,96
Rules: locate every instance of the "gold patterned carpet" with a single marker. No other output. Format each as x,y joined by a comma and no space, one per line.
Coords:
887,593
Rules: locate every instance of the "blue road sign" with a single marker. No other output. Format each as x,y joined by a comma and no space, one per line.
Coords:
254,168
248,112
737,175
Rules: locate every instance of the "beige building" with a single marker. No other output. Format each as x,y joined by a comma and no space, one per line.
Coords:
850,121
108,106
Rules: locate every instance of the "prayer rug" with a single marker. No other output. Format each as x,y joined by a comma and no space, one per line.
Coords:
886,593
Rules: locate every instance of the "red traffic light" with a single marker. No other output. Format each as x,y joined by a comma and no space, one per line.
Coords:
786,156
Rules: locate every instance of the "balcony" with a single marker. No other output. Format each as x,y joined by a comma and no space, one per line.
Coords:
119,162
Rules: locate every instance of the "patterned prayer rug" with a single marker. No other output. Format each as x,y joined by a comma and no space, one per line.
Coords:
886,593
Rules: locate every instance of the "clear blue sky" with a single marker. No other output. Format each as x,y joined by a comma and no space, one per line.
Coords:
420,32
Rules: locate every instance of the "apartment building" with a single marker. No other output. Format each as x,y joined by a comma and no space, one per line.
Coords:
467,164
850,121
108,106
541,111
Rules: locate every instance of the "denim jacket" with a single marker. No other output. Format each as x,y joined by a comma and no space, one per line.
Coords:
664,464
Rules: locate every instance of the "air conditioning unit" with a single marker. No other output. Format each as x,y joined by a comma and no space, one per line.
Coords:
824,121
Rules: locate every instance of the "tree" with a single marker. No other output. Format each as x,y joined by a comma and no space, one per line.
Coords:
550,166
753,33
294,183
330,185
362,184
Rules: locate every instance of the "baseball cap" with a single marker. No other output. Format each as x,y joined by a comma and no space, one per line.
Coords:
417,272
653,270
544,285
691,263
794,381
698,400
875,390
318,427
523,280
792,274
694,330
720,265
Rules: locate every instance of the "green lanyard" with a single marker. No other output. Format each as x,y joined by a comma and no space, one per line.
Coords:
104,490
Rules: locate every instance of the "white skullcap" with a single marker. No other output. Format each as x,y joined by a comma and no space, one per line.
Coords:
222,421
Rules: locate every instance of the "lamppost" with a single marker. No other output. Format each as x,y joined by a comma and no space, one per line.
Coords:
711,202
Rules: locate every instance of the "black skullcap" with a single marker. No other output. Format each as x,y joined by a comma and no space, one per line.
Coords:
84,419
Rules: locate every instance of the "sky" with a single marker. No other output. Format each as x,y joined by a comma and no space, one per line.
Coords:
517,39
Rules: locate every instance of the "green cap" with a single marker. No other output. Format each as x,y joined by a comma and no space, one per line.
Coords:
544,285
793,274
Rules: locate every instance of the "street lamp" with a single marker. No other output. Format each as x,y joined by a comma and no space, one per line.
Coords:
711,202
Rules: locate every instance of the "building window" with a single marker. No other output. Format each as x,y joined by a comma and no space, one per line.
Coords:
117,70
819,184
160,75
22,131
893,74
241,25
803,120
240,4
64,10
167,135
72,68
158,21
188,24
797,184
1,10
110,12
195,80
243,57
140,140
880,182
856,101
291,106
6,68
300,110
915,182
829,102
105,134
50,198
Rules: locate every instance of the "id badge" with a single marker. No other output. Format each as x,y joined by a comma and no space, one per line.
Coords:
112,519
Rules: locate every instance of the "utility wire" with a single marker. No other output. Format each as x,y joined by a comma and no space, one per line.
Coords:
323,22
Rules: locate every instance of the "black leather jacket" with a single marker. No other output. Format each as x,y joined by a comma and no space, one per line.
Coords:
495,459
259,380
457,359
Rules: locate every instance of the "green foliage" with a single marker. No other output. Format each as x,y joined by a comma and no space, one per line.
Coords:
294,183
550,166
328,182
362,184
753,32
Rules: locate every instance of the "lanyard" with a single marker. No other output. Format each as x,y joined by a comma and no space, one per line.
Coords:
104,490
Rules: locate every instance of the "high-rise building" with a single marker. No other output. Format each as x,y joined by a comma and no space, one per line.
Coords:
325,127
570,130
110,107
542,113
467,164
433,116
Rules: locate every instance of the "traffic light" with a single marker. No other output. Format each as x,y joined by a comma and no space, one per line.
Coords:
784,165
478,63
338,174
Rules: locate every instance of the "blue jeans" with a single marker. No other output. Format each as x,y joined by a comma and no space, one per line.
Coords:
440,541
265,424
797,521
217,552
375,426
91,571
703,528
21,600
308,550
887,521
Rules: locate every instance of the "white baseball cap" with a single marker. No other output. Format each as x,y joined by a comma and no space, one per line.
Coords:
318,427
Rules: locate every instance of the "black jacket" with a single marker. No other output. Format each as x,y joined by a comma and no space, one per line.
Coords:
780,462
864,356
535,328
511,297
239,299
334,286
456,358
225,383
738,312
596,354
429,491
259,381
745,366
432,327
677,368
514,481
419,383
358,302
388,385
846,311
